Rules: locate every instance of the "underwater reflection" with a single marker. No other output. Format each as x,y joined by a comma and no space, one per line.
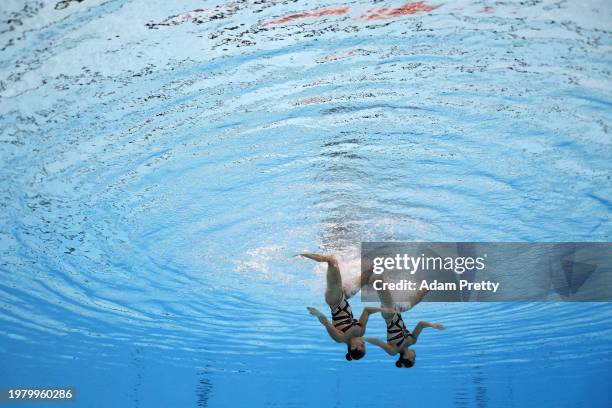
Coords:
138,369
203,389
477,395
338,166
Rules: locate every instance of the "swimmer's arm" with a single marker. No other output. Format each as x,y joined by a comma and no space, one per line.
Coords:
365,315
383,345
421,325
331,330
334,333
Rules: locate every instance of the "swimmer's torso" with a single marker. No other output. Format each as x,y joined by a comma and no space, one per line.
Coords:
342,316
397,333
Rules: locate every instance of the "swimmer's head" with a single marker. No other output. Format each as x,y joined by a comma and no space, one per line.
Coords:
355,349
406,359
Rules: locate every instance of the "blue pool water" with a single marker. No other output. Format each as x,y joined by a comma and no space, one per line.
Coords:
162,161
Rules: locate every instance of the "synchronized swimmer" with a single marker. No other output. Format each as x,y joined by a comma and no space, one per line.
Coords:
344,328
399,338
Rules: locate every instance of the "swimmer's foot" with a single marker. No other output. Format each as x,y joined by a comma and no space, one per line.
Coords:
319,257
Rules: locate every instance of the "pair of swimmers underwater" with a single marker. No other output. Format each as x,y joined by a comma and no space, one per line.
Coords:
344,328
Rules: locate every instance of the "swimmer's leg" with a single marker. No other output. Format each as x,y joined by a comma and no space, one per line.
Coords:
418,296
354,285
333,293
386,300
317,257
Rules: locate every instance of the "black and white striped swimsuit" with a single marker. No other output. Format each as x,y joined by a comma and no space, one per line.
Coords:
342,316
397,331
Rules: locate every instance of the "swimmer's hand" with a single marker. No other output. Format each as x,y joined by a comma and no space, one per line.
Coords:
438,326
315,312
